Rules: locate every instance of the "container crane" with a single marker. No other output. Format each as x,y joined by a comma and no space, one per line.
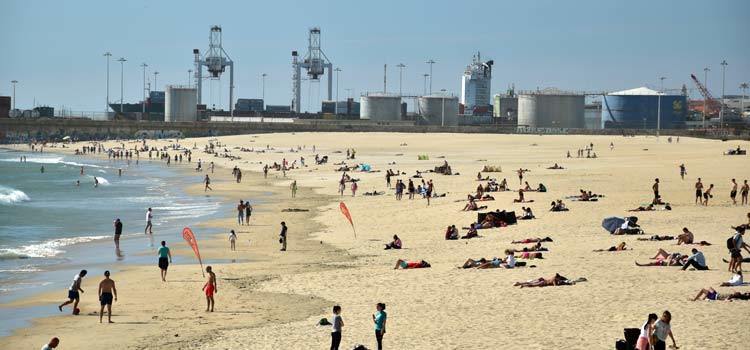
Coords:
316,64
713,106
216,60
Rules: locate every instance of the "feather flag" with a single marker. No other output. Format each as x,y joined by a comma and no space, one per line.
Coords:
189,237
345,211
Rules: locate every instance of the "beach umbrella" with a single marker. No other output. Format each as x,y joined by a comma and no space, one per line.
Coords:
612,223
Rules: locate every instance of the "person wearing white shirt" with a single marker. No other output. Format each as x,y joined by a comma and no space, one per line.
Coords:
149,217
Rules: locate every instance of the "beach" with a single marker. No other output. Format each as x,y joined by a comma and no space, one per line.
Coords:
270,299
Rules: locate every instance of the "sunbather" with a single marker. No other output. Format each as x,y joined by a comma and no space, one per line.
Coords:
535,248
530,255
451,233
471,263
649,207
657,238
395,244
663,258
556,280
558,205
533,240
408,264
711,294
617,248
472,233
508,263
527,214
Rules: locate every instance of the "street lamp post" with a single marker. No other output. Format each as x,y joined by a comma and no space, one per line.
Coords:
143,102
430,62
190,75
705,83
401,67
122,84
336,103
108,55
14,82
744,87
156,87
425,82
658,108
723,79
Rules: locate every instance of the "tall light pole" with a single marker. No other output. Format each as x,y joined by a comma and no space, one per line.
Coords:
705,83
658,108
122,84
723,79
336,103
401,67
430,62
156,87
108,55
143,102
744,87
14,82
190,76
425,83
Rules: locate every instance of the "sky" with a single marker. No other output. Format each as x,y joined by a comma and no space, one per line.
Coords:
55,48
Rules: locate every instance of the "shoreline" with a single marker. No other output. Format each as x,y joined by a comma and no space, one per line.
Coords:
213,246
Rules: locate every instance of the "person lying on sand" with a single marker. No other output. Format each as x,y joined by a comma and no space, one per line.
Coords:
471,263
736,280
555,167
535,248
711,294
663,258
657,238
408,264
558,205
374,193
530,255
556,280
618,248
395,244
485,197
649,207
532,240
508,263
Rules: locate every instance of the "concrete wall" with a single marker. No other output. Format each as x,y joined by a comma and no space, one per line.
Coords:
21,129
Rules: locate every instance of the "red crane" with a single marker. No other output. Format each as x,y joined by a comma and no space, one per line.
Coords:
712,105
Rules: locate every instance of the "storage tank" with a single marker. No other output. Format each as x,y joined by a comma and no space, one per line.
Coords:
181,104
439,110
551,109
380,107
505,107
639,109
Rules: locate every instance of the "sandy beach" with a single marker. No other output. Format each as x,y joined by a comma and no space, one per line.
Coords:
273,300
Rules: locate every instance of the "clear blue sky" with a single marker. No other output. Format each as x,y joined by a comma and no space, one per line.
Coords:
54,48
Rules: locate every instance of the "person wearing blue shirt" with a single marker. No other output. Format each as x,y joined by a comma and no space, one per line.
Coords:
696,260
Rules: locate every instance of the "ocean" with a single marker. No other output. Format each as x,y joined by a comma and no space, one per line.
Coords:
50,228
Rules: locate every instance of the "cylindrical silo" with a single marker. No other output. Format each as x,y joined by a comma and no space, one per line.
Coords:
439,110
551,110
380,107
639,109
180,104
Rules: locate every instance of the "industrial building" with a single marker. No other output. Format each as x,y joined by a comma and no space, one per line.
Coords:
249,105
639,108
476,86
4,106
505,105
439,110
181,104
551,108
380,107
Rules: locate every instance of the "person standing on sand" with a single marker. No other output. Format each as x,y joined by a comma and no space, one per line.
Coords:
53,343
662,329
207,181
165,258
282,236
118,232
655,188
336,324
149,226
293,187
106,289
683,172
707,194
646,331
354,188
248,212
265,171
733,192
744,191
73,296
240,212
379,318
698,191
210,288
232,240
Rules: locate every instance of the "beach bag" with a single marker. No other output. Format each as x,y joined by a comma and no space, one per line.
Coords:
730,243
631,336
622,345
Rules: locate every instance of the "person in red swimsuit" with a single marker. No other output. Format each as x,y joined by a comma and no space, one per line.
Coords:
210,288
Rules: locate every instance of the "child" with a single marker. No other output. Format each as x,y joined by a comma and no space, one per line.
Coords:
232,239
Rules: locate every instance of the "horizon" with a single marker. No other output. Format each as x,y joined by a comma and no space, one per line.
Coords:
56,49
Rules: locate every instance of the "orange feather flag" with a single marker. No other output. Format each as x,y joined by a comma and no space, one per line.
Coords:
345,211
189,237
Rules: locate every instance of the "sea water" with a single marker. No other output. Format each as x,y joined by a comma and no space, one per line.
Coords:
50,227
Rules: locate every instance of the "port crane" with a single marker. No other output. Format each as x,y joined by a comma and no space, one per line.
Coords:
713,106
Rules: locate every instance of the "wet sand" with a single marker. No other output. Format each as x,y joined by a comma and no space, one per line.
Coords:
274,299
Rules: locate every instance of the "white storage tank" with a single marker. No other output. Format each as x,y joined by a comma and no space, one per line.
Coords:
380,107
181,104
439,110
551,109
